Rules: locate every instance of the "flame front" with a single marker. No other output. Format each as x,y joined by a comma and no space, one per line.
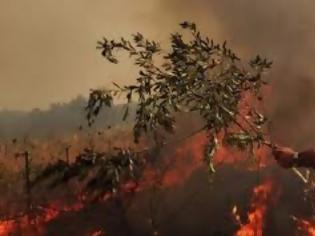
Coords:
35,225
258,207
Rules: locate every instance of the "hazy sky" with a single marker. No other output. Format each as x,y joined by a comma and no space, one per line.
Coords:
47,47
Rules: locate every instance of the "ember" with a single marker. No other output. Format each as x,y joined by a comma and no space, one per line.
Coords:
6,227
97,233
305,227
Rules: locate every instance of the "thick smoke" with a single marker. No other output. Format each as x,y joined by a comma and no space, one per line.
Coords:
283,31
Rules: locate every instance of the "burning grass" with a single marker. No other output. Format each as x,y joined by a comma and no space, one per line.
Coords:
166,193
258,207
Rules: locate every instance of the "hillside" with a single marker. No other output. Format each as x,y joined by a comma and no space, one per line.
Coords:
59,119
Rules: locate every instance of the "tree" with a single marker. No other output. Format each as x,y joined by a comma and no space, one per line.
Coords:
196,75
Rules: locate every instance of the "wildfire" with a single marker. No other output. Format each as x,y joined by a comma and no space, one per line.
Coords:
35,224
6,227
186,159
258,207
305,227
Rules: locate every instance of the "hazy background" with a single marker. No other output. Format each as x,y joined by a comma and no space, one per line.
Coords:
47,48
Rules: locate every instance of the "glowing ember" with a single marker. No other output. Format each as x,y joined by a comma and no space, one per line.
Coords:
305,227
260,198
97,233
6,227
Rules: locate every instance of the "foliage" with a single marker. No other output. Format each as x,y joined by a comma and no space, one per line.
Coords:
196,75
104,172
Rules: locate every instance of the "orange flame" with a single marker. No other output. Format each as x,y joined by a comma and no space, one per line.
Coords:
259,201
305,227
6,227
35,225
188,157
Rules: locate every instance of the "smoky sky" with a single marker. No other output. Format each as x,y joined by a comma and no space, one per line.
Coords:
47,47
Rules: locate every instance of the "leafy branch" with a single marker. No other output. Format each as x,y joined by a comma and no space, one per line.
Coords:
196,75
99,172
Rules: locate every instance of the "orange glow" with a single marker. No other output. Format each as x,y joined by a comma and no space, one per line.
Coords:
176,168
258,207
305,227
97,233
35,225
187,158
6,227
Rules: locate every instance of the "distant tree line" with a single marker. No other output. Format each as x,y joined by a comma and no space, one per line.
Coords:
59,119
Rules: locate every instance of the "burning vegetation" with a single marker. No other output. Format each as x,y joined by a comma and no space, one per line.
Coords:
256,215
170,180
168,190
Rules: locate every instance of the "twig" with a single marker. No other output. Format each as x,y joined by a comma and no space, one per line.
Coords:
300,175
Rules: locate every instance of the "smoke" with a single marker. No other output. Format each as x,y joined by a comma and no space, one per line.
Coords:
281,30
56,49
